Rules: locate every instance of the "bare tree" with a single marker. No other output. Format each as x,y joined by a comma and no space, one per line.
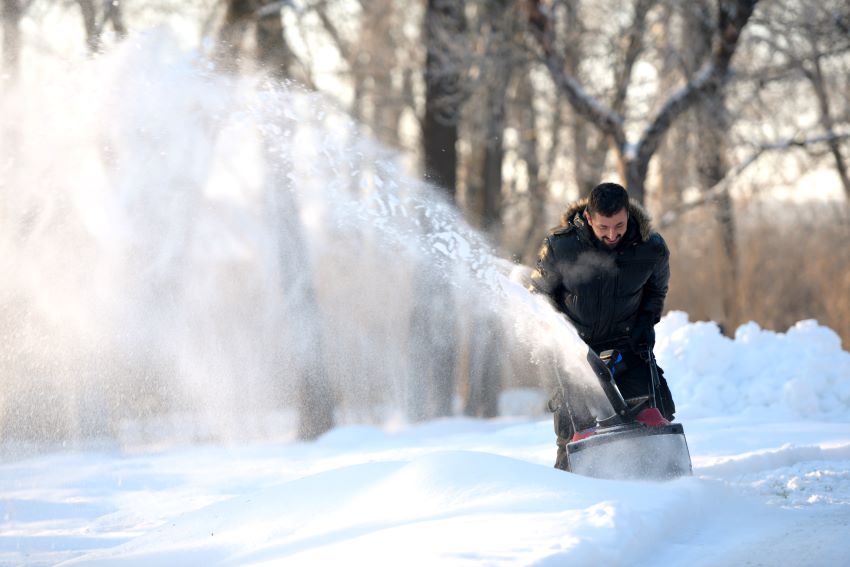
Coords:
492,61
809,38
381,61
13,11
814,73
537,166
633,159
590,145
316,399
485,367
238,16
434,340
445,26
95,19
795,50
273,51
712,163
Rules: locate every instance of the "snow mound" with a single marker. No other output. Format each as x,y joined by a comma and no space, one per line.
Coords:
385,513
801,373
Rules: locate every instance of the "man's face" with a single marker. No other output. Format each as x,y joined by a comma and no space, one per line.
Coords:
609,230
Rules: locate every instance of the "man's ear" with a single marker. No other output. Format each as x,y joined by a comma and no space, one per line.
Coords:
587,217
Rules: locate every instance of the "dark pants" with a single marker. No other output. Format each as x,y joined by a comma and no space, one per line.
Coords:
633,379
636,381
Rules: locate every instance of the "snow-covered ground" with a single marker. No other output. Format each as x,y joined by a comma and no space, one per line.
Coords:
771,483
128,268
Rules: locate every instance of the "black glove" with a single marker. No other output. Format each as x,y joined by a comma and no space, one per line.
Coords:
643,334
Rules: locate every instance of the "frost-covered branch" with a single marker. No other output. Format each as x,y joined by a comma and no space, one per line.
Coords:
732,17
272,7
342,45
609,121
718,189
634,40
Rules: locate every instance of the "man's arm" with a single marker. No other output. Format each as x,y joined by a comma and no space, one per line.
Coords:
652,300
546,278
655,290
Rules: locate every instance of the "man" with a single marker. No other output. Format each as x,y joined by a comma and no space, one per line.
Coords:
607,270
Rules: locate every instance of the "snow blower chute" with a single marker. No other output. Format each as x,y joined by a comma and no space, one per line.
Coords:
635,442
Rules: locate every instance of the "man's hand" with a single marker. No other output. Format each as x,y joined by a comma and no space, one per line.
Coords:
643,335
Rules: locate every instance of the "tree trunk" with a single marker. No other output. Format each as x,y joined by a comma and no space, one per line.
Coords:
712,167
635,176
94,26
433,335
710,152
237,18
444,26
273,53
89,12
316,399
116,16
485,368
529,153
494,153
434,347
675,153
486,343
12,14
497,59
380,27
586,158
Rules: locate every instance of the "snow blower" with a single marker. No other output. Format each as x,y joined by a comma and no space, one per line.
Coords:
635,442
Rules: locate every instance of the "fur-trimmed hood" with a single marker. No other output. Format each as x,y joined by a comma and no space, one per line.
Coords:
636,212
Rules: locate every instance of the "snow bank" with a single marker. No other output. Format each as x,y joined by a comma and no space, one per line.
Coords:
801,373
446,507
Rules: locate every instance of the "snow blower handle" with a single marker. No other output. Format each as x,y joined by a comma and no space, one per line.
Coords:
656,380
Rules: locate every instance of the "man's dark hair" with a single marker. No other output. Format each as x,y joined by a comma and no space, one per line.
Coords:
608,199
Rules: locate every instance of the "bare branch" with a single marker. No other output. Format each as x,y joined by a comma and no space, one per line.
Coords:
342,45
733,15
272,7
633,51
584,104
718,189
732,18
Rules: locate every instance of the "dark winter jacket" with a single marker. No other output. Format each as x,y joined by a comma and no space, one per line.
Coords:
605,292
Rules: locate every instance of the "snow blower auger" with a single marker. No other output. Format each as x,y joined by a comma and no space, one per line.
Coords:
635,442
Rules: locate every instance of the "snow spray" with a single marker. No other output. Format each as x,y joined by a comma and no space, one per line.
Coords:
178,246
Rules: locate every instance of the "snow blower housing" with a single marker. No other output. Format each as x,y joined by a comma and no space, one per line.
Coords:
635,442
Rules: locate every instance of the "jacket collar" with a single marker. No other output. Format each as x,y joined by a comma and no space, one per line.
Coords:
639,219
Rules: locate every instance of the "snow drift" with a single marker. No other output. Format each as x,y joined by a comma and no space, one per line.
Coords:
802,373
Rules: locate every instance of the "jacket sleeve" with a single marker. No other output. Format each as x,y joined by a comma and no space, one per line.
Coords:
546,278
655,290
